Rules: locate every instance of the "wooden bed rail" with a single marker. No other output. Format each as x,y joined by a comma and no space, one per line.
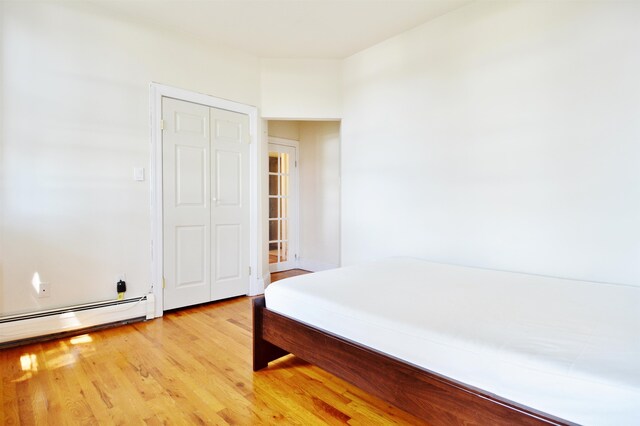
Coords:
425,394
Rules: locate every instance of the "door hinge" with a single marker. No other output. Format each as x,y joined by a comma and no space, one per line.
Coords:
296,256
296,163
249,270
164,284
161,124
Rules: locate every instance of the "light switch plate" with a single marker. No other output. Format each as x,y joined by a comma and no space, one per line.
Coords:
138,173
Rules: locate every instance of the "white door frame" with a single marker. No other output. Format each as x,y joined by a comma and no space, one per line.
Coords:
294,247
156,92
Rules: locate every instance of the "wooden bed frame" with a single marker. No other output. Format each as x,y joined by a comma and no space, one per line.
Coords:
423,393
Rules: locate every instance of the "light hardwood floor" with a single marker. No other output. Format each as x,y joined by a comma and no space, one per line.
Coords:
277,276
190,367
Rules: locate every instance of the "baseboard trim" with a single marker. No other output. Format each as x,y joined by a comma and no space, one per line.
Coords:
21,328
65,334
314,266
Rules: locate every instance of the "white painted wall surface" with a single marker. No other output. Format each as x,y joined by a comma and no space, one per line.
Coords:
286,129
2,138
76,105
319,164
301,88
502,135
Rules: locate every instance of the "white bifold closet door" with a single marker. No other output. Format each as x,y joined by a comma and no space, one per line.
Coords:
205,203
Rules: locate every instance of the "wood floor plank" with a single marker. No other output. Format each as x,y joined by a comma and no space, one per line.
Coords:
192,366
11,374
277,276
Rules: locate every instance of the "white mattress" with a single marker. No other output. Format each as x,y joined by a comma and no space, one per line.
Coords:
568,348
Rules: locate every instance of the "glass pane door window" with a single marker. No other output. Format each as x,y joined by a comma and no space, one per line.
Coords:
281,203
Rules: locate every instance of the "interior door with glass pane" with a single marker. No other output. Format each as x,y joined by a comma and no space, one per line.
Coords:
283,207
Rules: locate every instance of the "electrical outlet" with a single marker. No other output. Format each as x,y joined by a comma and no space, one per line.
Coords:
44,290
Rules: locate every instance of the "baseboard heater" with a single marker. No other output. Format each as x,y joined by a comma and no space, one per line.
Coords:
21,327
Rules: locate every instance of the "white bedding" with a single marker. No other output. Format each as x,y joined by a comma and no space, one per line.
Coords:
568,348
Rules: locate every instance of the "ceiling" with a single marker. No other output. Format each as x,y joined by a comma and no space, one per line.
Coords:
286,28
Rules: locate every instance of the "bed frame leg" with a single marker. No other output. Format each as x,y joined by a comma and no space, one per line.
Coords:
263,351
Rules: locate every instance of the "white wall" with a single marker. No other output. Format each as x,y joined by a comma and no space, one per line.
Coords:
319,171
300,88
501,135
75,94
2,138
286,129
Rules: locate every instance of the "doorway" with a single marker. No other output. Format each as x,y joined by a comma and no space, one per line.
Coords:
283,204
316,233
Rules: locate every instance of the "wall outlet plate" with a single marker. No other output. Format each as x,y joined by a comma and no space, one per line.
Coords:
44,290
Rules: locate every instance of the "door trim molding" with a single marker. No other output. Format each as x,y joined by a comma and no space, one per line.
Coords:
156,92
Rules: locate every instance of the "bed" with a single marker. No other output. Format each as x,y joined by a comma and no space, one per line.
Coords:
454,344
